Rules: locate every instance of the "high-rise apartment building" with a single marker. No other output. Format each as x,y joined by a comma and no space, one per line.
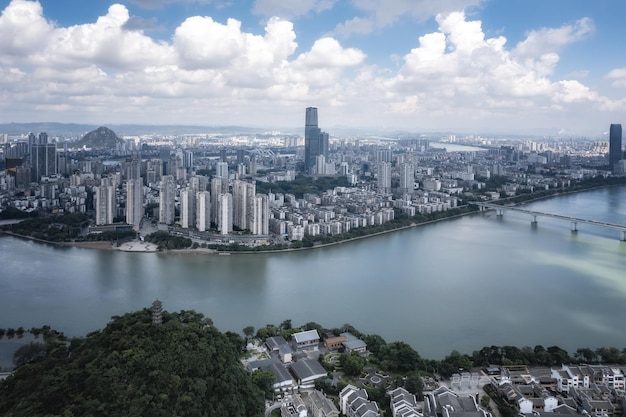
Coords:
187,208
384,177
221,170
243,203
104,202
315,141
615,145
225,213
216,191
259,223
407,178
134,202
167,197
203,211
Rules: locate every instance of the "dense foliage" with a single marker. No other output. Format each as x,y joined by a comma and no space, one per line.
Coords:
184,367
302,185
166,241
61,228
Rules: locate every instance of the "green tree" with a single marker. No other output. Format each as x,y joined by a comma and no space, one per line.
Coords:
264,380
415,385
248,331
352,365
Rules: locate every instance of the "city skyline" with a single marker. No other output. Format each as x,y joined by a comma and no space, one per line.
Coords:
470,65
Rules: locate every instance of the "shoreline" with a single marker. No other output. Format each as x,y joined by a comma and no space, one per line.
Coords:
138,246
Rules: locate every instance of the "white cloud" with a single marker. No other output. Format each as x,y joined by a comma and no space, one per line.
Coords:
618,76
545,40
22,29
213,72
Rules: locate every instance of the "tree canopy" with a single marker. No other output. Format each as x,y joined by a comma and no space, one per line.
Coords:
183,367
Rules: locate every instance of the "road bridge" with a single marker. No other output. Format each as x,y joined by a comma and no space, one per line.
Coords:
534,214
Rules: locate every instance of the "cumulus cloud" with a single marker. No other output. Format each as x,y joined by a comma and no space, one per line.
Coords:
22,29
217,72
618,77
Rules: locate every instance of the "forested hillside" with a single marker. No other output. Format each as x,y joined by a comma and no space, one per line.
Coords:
183,367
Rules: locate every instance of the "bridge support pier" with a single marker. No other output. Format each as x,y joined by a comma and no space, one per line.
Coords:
534,220
574,227
500,212
622,235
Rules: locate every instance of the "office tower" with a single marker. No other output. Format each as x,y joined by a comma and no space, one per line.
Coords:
240,156
104,202
315,141
252,165
259,222
384,177
407,178
188,159
203,211
167,197
134,202
223,157
615,145
221,170
43,161
225,213
187,208
32,141
43,138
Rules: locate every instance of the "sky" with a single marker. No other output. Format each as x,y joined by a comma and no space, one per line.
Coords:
460,66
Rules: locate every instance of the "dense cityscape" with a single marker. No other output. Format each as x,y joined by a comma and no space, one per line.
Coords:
266,189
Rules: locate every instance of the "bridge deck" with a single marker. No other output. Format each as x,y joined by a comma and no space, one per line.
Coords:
555,216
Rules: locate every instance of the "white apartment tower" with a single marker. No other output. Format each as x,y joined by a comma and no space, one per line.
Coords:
225,213
407,178
243,203
134,202
167,197
104,202
216,191
221,170
203,211
259,223
384,177
187,208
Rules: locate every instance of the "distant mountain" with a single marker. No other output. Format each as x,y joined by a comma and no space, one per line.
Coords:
101,138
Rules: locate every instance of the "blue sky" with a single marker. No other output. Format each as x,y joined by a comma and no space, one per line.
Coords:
466,66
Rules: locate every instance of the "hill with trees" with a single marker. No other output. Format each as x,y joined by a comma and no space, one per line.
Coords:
182,367
100,138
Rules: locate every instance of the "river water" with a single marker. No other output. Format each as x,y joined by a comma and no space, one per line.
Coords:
458,284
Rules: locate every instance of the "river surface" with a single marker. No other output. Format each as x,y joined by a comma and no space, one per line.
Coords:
459,284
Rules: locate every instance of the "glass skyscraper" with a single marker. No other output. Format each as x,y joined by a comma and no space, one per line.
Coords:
315,141
615,145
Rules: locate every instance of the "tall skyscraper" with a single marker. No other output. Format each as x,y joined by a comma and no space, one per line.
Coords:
407,178
134,202
384,177
216,190
43,161
243,195
104,202
167,197
615,145
203,211
187,208
225,213
221,170
315,141
259,222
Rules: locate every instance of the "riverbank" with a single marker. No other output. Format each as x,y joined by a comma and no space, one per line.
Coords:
147,247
